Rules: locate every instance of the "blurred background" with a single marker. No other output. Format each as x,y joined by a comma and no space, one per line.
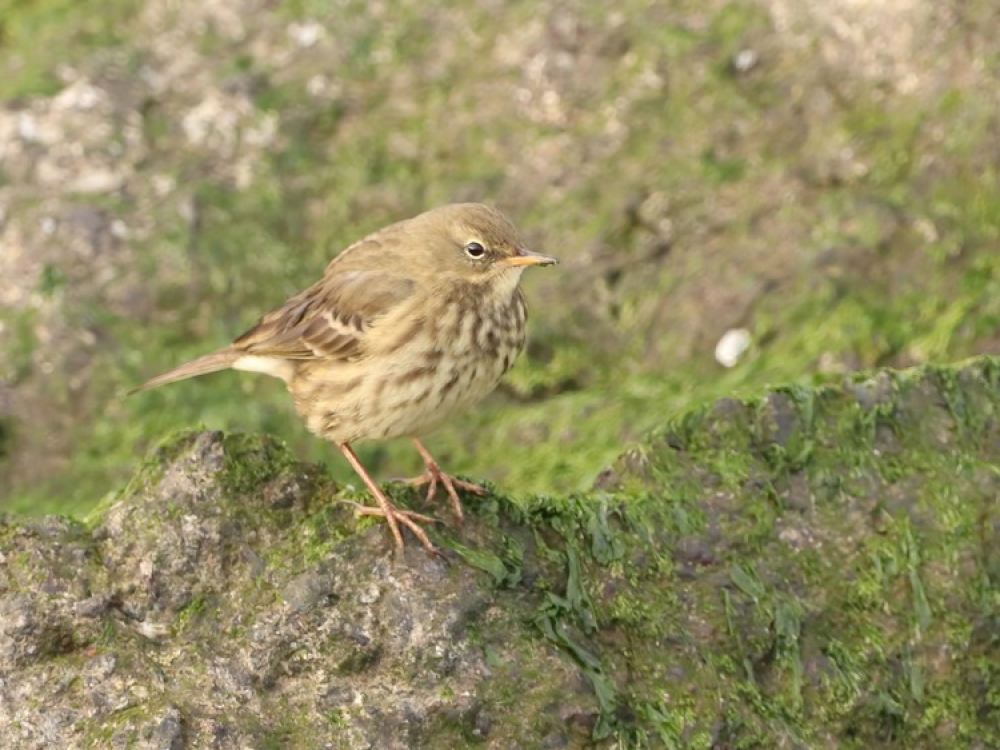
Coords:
743,193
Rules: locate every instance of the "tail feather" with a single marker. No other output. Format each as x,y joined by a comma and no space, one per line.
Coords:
205,364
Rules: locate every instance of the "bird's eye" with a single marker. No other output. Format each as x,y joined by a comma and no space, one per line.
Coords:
475,250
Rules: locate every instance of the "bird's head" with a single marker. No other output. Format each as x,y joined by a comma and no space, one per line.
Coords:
474,243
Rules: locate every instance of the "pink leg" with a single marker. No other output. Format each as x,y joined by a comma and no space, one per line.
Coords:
433,476
386,509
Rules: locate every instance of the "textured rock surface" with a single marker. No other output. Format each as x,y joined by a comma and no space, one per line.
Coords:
814,568
211,608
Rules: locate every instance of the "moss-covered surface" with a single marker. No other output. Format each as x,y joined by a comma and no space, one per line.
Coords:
815,567
811,568
830,566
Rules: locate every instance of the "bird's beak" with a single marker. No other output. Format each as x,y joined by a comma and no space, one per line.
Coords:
528,258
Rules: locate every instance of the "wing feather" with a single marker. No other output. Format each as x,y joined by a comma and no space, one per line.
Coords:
328,320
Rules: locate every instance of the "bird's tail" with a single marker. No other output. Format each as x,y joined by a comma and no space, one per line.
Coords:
205,364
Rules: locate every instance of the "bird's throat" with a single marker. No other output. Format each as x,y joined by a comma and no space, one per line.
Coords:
503,287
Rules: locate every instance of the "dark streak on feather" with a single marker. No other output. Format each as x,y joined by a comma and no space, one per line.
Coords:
417,373
450,384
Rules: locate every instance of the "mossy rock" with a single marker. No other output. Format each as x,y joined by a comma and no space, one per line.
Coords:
811,568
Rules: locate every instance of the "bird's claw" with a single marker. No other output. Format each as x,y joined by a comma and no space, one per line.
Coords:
434,477
407,518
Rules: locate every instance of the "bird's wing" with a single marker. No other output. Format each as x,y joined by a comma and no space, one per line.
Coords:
328,320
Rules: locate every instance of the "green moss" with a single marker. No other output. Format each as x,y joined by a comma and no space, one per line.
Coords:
324,529
252,461
20,346
890,568
40,35
194,609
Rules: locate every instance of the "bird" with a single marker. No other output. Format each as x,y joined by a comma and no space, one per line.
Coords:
407,327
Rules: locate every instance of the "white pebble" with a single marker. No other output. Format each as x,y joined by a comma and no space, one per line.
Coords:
732,346
306,34
745,60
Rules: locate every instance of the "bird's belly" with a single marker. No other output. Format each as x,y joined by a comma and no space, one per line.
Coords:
396,399
416,401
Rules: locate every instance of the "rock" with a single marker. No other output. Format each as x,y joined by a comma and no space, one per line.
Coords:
766,575
223,602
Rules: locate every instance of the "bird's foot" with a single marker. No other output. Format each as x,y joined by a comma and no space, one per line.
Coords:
396,517
434,477
393,516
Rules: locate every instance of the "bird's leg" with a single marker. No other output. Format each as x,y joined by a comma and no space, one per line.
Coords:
393,516
433,476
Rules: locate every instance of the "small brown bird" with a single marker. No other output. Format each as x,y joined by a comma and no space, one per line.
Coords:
407,327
